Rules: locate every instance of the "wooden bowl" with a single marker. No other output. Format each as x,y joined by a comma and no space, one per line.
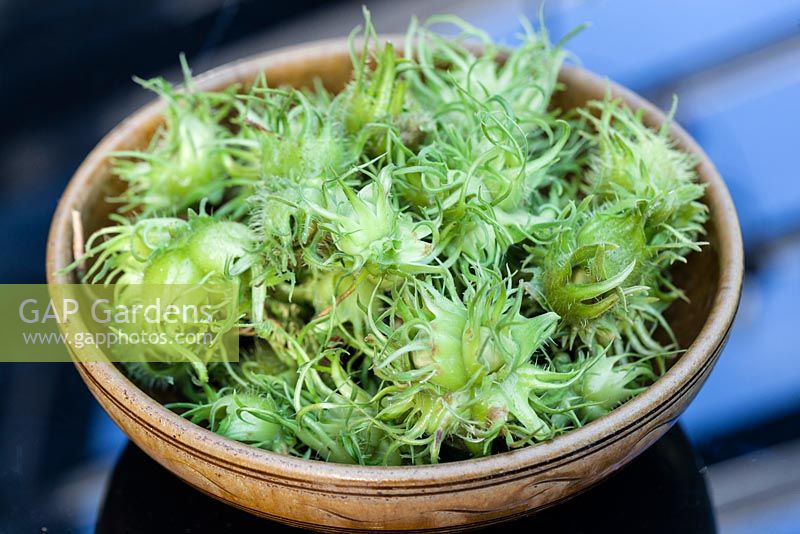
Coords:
448,496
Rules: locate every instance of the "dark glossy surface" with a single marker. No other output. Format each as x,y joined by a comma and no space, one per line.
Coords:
663,490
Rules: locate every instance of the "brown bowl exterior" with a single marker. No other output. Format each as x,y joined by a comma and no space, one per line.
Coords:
450,496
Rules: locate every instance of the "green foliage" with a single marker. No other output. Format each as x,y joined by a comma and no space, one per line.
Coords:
185,162
432,264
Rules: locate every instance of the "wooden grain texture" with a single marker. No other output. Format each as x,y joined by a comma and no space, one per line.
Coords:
451,496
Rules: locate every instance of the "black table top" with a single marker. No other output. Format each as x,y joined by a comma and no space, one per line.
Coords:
663,490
